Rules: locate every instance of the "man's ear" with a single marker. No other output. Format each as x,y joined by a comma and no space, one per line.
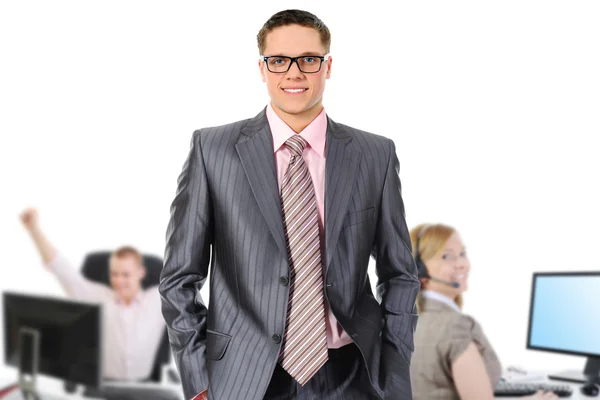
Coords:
263,76
143,272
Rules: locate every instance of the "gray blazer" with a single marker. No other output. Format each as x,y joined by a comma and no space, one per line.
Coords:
227,212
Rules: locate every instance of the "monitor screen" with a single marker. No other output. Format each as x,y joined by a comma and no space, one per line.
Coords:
564,313
69,335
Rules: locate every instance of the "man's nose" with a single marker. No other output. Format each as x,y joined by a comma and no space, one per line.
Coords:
294,71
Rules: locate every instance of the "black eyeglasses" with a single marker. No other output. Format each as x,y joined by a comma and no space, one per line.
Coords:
306,64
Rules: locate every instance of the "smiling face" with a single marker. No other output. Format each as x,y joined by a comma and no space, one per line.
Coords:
295,96
126,275
452,264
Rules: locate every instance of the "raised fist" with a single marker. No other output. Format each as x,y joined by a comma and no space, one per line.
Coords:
29,218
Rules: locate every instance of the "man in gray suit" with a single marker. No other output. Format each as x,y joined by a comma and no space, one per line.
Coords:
287,207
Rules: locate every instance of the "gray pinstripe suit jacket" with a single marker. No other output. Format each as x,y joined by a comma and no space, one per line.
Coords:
227,213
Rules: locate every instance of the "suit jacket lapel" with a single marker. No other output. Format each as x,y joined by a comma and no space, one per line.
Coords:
256,152
341,168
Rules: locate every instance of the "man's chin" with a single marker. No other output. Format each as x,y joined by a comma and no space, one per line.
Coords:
293,110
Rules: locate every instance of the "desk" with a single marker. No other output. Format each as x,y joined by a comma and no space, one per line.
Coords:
53,388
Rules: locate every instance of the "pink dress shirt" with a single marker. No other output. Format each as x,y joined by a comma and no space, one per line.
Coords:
314,157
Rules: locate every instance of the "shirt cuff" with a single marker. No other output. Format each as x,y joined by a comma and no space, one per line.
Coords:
201,396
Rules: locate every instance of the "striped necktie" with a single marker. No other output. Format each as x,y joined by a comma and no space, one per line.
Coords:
304,348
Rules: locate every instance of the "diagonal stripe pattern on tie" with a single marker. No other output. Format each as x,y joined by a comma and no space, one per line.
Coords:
304,348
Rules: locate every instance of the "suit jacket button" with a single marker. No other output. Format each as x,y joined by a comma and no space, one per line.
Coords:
284,280
276,338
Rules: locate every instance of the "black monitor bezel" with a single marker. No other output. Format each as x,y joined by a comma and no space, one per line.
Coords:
531,302
57,300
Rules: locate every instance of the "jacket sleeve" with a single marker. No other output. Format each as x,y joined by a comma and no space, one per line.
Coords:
397,286
187,255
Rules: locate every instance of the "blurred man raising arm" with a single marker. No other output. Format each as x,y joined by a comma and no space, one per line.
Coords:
133,324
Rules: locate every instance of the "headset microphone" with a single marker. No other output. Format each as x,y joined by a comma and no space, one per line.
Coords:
422,270
455,285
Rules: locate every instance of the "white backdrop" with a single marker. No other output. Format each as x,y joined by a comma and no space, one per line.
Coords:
494,108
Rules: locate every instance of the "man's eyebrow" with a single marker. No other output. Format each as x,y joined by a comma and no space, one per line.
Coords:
306,53
310,53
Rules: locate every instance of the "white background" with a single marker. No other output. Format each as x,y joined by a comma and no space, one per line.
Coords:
494,108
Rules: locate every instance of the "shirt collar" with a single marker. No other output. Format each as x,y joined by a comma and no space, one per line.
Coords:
136,300
314,133
431,295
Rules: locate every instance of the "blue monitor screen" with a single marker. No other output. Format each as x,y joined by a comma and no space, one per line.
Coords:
565,313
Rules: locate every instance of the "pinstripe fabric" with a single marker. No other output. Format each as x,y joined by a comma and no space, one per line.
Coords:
343,377
227,214
304,348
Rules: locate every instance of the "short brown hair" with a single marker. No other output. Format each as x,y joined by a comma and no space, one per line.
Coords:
128,251
293,17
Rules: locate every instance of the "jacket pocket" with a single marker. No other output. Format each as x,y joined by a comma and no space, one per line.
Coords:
369,311
359,216
216,344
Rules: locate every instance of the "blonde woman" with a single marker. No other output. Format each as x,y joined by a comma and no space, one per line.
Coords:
452,359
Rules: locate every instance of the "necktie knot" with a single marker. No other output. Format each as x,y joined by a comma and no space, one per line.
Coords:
296,144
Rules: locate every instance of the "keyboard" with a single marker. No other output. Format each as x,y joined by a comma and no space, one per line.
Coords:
516,389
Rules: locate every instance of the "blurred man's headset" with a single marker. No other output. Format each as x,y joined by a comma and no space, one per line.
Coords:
421,269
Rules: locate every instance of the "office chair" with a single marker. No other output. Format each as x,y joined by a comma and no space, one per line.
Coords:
95,268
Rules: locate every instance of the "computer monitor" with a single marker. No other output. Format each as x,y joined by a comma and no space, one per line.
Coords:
55,337
564,317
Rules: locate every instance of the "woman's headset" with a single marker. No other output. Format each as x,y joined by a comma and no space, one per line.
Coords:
421,269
